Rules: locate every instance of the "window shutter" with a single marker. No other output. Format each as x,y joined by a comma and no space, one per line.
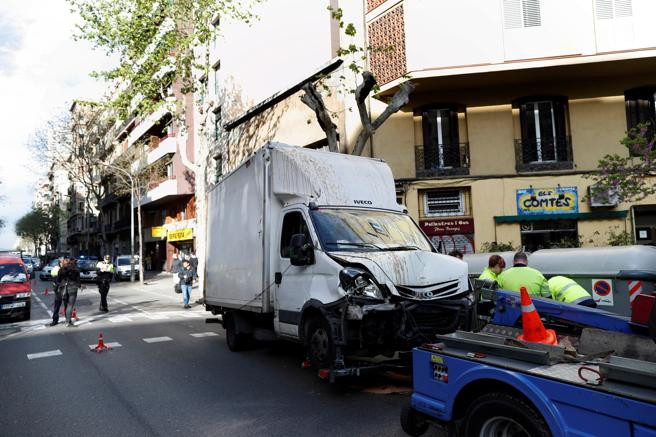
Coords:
560,120
531,11
623,8
609,9
512,18
527,122
604,9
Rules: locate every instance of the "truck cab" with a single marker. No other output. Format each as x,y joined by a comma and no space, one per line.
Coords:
326,257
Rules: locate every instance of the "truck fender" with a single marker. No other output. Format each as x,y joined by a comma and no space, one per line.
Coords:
519,383
314,307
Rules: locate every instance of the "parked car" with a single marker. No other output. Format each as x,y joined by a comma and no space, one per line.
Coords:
29,266
122,267
88,269
45,273
37,263
15,290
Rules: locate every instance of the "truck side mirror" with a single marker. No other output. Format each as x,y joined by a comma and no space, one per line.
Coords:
301,253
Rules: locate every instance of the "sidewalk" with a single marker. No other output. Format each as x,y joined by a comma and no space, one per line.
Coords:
160,283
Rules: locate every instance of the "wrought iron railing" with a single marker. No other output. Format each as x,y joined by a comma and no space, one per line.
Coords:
532,154
442,159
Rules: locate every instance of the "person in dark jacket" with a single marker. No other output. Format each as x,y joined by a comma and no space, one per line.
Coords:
69,285
193,260
186,276
56,280
176,266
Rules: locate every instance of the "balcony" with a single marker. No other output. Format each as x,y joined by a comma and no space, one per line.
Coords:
160,189
543,154
442,160
159,147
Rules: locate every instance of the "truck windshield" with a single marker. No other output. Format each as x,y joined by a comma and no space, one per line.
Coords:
12,273
361,230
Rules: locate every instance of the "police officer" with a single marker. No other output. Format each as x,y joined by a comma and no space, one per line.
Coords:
521,275
105,275
69,285
564,289
495,266
54,273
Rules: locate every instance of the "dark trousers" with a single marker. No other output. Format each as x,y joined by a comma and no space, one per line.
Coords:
69,296
58,302
103,288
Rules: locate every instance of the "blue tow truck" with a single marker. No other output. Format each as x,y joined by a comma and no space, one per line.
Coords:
600,380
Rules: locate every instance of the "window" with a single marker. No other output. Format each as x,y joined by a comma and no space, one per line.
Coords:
440,127
293,223
640,107
218,167
216,68
217,125
546,234
521,13
543,125
444,203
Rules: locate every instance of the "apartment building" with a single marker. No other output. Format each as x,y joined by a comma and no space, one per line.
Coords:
514,106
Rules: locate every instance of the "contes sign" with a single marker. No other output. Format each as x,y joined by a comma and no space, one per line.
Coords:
560,200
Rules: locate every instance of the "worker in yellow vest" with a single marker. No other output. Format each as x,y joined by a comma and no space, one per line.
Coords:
495,266
564,289
521,275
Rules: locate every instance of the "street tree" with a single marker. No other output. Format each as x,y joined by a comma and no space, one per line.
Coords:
39,226
360,85
629,177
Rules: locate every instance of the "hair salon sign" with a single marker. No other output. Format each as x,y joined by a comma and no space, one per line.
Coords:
560,200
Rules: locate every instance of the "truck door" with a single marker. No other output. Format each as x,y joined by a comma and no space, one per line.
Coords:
294,288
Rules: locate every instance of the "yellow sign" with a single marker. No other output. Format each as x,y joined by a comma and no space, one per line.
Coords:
158,232
547,201
180,235
437,359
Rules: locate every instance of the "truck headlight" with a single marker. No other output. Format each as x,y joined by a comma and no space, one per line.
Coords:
359,283
22,295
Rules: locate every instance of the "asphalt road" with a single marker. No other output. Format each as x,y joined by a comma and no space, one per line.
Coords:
171,373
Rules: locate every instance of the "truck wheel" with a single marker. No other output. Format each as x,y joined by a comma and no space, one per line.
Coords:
412,422
319,343
502,414
236,342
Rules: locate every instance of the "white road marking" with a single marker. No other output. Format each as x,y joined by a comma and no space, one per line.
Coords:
152,316
119,319
44,354
112,344
43,305
157,339
203,334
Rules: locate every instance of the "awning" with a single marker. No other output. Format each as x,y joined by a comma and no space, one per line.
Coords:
601,215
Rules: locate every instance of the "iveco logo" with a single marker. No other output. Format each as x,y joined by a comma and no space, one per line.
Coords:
425,294
363,202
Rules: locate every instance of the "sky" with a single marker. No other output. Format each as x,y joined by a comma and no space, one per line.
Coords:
42,69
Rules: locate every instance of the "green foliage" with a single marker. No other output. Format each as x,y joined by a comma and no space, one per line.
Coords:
566,243
629,177
155,42
494,246
619,238
39,226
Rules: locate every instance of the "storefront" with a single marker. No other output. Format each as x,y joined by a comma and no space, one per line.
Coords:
450,233
182,240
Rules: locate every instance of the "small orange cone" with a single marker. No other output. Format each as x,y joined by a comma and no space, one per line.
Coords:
101,345
533,328
45,293
74,315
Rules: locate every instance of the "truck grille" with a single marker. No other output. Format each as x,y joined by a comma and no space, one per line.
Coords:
440,290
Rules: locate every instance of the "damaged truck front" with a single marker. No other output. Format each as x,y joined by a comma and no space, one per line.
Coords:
312,247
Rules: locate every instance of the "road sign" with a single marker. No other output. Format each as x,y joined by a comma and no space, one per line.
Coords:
602,292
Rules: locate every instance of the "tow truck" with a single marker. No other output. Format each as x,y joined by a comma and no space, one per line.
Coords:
600,379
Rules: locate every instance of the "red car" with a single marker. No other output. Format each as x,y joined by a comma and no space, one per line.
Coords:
15,290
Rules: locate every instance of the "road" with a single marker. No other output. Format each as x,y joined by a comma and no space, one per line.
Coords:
170,373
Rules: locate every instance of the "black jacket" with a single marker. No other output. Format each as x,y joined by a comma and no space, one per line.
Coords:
176,266
70,276
186,276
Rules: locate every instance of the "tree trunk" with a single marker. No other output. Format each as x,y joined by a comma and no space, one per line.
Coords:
141,263
312,98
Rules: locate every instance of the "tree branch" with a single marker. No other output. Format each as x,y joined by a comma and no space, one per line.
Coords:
399,100
313,100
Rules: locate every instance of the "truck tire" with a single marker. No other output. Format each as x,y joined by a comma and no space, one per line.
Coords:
236,341
412,422
501,413
319,345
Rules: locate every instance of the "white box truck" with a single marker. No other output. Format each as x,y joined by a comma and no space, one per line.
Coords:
312,246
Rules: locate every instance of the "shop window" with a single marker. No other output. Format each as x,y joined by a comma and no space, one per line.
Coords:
544,143
293,223
545,234
444,203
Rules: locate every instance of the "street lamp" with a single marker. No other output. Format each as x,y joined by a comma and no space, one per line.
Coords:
131,178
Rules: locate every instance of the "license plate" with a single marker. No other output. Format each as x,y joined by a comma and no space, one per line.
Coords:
13,305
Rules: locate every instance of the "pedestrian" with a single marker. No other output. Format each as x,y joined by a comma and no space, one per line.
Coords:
193,260
69,285
149,261
54,274
105,275
564,289
186,276
176,265
495,266
456,254
521,275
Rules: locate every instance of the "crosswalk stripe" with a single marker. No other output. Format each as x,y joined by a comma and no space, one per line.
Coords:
157,339
44,354
112,344
203,334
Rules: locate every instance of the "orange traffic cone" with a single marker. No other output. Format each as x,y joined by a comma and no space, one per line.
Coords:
533,328
101,345
74,315
45,293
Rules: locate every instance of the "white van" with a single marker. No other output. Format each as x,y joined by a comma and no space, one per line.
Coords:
312,246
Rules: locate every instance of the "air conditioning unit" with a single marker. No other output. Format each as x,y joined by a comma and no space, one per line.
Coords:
599,197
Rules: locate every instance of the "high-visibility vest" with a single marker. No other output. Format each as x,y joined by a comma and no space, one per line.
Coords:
488,274
564,289
105,267
523,276
55,271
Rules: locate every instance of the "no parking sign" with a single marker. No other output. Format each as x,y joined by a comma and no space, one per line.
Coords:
602,291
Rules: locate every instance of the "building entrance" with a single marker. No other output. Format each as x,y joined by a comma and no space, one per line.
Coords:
545,234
